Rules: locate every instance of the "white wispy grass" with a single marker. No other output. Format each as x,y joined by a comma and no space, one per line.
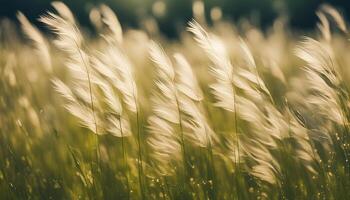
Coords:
165,100
319,58
261,129
267,124
64,90
111,98
80,111
69,37
117,122
190,103
195,124
265,121
166,122
110,19
325,93
64,11
336,16
179,97
324,26
267,167
38,41
322,78
253,74
305,150
186,80
70,40
247,54
96,19
166,150
222,69
113,64
165,69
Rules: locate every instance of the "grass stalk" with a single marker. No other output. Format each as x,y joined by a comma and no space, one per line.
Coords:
182,141
140,160
125,158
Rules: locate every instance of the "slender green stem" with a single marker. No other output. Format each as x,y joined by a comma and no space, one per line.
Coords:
237,157
140,160
97,149
125,159
77,165
182,142
168,188
210,167
90,85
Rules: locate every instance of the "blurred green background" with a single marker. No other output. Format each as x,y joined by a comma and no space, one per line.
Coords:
301,13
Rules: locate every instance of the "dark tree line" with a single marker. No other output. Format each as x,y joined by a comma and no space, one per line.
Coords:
301,13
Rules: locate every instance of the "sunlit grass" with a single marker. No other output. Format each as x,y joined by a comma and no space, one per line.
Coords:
224,112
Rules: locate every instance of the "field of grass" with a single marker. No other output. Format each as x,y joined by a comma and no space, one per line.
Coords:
226,111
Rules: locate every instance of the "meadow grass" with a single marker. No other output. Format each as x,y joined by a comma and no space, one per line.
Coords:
227,111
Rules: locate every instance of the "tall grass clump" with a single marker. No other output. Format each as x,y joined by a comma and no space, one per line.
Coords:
226,111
